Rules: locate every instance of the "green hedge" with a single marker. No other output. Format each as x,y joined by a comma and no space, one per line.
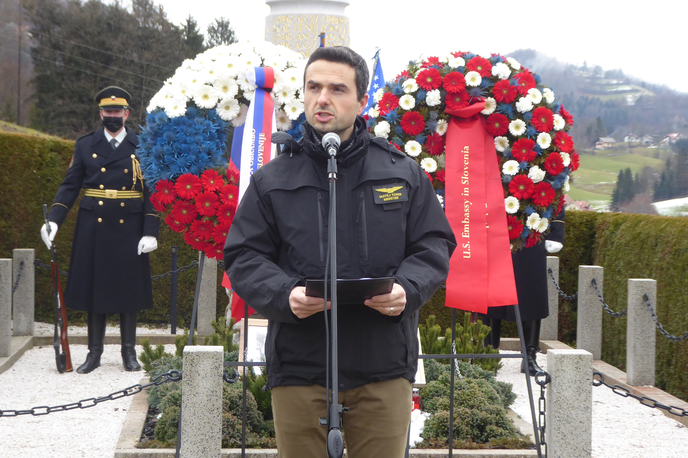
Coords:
23,159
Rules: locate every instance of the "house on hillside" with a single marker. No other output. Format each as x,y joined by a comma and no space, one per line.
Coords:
631,138
670,139
647,140
580,205
605,143
636,140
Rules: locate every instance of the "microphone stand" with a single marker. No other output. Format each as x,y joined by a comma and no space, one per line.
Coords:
335,443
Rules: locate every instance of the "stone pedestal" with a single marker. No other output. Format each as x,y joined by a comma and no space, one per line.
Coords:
589,323
549,329
207,301
5,307
23,298
640,333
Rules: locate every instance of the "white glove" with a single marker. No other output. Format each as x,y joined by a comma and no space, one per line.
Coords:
552,246
48,238
147,244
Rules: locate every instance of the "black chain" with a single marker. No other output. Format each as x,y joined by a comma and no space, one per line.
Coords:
19,275
644,400
646,299
171,376
233,378
606,307
39,263
561,293
542,378
180,270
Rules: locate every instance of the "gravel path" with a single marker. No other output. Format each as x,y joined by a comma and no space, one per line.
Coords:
621,426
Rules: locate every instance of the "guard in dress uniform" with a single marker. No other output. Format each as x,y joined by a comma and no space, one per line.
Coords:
109,270
530,274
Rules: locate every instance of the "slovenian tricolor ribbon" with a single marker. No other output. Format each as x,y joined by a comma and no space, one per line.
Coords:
481,273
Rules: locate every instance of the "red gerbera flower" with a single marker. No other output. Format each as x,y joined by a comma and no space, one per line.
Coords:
575,161
233,174
563,141
525,82
229,193
503,92
194,240
396,146
434,144
457,100
213,251
543,119
480,65
515,227
497,124
403,74
522,150
560,205
566,115
165,189
429,79
440,175
212,181
454,82
554,164
412,123
220,233
430,61
521,187
388,102
155,200
533,239
202,228
207,203
429,176
184,212
225,213
175,225
543,194
188,186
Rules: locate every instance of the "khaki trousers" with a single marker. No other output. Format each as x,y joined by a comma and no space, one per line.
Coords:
375,426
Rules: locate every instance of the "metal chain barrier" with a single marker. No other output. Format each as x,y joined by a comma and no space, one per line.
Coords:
542,378
606,307
561,293
456,361
39,263
19,275
644,400
171,376
646,299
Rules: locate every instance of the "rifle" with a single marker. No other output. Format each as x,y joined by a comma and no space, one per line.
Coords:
63,359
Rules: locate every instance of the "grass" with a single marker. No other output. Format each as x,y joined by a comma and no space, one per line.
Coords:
15,129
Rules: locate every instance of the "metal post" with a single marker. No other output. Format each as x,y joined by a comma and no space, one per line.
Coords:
173,292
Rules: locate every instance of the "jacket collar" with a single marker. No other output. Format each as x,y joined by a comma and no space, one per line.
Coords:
350,151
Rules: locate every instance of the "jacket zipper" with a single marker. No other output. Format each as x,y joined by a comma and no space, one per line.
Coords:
320,228
361,218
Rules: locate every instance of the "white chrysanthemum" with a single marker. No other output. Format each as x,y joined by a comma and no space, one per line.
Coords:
548,95
534,96
428,164
227,87
413,148
206,96
284,96
190,64
517,127
566,187
565,159
294,109
559,122
245,84
501,70
190,78
175,107
533,221
524,105
241,119
510,167
382,129
473,79
544,140
407,102
228,108
544,224
514,63
293,77
442,126
374,112
248,95
536,174
501,143
490,106
409,85
378,94
511,204
249,60
282,120
456,62
433,98
440,199
275,61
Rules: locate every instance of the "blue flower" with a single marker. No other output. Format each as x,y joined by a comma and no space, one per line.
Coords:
506,109
391,116
529,210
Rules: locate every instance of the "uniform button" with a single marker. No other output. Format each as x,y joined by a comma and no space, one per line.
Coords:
133,156
95,155
102,187
100,202
124,188
126,170
100,220
102,169
121,221
122,204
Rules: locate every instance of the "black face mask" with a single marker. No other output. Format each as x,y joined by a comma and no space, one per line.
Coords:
113,123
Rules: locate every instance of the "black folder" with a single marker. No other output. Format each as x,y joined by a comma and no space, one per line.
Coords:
352,291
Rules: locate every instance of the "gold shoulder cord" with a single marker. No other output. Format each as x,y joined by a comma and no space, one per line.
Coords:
136,172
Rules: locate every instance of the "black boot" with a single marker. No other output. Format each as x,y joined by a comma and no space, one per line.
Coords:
96,336
127,326
531,334
493,337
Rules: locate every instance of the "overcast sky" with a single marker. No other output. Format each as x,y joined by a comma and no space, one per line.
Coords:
644,39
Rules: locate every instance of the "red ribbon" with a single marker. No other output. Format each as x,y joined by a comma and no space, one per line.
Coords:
481,273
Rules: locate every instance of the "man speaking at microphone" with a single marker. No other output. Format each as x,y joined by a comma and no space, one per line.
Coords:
279,238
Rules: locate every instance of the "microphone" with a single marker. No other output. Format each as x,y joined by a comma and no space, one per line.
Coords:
331,142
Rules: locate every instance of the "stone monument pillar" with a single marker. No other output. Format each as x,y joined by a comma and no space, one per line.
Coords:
298,24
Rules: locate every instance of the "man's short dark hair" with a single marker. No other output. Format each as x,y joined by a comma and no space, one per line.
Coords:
344,55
